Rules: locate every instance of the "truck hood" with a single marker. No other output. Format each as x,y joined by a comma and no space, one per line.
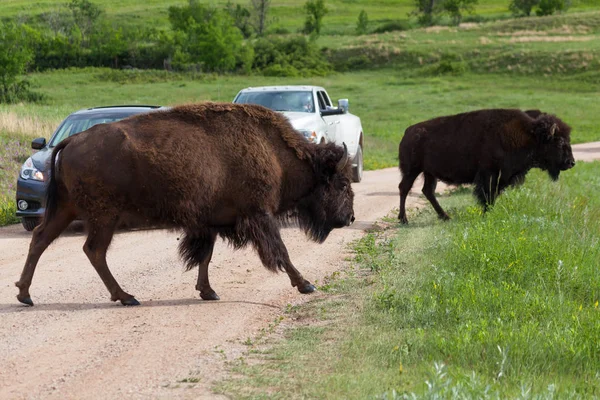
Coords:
301,120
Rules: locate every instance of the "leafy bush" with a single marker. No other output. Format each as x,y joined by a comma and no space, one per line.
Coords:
549,7
206,38
522,7
391,26
292,57
448,64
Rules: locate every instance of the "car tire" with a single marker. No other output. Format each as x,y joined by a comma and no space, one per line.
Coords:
357,172
30,223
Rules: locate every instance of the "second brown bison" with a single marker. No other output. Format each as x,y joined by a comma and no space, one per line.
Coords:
209,170
491,148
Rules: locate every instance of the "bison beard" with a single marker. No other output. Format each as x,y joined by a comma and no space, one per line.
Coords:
212,169
492,149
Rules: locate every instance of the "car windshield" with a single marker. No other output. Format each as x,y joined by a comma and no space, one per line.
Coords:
79,123
297,101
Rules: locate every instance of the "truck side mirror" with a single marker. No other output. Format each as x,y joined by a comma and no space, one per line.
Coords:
343,104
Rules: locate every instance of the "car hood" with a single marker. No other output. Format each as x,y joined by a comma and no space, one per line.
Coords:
40,159
301,120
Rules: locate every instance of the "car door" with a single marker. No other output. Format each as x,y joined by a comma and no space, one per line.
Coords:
332,121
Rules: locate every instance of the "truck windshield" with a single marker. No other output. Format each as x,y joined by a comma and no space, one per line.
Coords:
296,101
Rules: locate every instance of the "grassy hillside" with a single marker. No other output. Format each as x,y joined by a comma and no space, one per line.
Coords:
286,14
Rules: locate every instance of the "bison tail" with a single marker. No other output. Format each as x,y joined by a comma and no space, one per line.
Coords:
195,249
52,193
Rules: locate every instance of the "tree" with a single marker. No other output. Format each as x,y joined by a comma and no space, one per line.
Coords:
522,7
315,11
426,11
85,15
549,7
260,12
241,18
362,25
14,58
455,8
207,37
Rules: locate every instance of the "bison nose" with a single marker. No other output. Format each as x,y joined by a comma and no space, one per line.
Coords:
351,220
572,163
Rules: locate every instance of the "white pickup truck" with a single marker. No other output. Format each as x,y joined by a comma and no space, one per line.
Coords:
311,112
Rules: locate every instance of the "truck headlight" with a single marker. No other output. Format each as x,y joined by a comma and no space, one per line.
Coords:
311,136
28,171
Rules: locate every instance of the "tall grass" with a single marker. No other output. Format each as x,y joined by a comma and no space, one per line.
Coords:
16,133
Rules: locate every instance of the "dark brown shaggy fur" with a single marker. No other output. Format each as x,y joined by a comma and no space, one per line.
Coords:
212,169
490,148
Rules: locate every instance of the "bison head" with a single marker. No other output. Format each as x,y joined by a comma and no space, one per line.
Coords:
554,152
330,203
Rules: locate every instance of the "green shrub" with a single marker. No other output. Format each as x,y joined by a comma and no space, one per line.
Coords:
8,208
391,26
362,25
292,57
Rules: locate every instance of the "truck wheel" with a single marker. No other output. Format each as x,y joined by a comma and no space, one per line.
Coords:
30,223
357,172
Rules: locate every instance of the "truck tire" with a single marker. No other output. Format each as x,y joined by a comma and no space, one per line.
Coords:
357,172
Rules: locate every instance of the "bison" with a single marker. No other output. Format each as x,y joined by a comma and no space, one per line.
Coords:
207,170
491,148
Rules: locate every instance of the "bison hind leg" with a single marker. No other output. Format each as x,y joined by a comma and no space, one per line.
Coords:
408,179
197,249
100,235
429,192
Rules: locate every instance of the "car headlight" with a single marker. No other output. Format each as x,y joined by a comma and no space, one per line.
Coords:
311,136
28,171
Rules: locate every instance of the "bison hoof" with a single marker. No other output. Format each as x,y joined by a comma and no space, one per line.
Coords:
306,287
444,217
130,302
25,300
210,296
403,219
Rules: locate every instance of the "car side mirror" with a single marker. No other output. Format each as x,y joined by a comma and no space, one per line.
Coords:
332,111
38,144
344,105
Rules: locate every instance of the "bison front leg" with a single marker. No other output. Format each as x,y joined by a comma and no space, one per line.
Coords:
267,240
487,188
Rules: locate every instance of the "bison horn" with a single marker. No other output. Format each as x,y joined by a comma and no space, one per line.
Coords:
553,129
344,160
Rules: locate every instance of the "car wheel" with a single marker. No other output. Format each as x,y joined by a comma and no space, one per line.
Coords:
357,172
30,223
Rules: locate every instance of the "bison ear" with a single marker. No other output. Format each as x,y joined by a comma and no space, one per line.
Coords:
544,128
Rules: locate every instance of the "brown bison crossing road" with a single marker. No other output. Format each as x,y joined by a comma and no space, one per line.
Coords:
75,344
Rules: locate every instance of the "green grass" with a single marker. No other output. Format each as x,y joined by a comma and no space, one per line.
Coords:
497,306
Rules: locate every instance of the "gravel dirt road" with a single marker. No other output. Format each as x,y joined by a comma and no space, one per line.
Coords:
76,344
